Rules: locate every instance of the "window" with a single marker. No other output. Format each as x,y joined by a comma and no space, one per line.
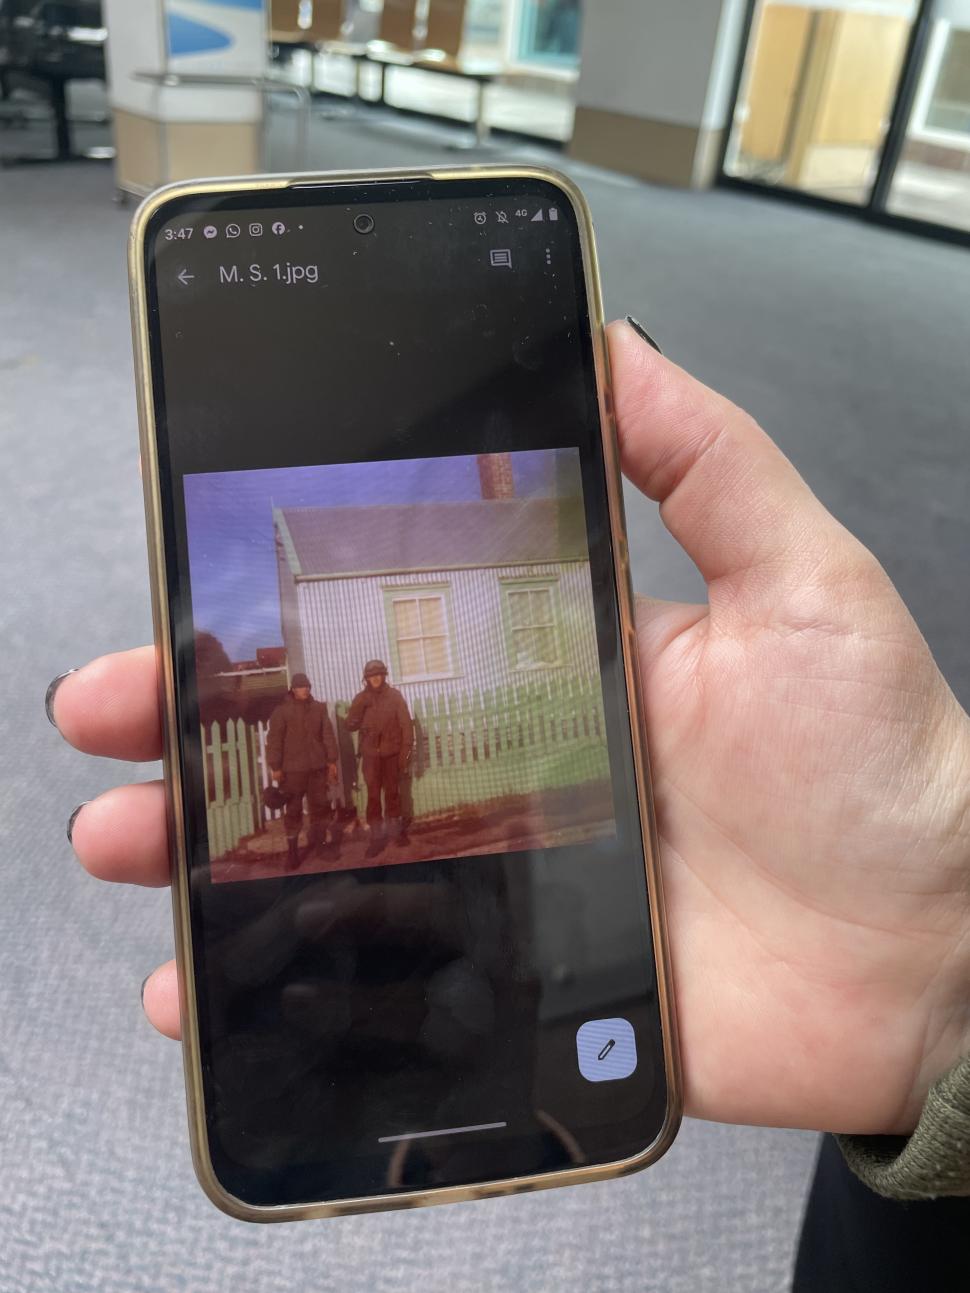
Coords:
419,625
532,623
949,107
549,32
483,23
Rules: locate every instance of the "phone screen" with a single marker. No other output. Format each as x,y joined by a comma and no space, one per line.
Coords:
420,920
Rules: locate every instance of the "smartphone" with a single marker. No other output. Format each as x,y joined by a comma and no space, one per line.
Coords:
417,904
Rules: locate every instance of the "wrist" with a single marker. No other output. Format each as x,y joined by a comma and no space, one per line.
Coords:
947,998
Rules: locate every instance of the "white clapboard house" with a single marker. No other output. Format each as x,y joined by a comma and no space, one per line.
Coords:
454,597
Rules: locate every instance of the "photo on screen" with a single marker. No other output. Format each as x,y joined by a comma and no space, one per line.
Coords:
396,662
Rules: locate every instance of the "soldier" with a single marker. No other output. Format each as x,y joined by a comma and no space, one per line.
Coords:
301,751
380,713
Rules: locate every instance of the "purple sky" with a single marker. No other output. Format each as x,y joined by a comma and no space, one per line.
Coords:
232,562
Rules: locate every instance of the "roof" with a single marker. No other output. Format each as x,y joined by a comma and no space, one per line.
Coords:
328,542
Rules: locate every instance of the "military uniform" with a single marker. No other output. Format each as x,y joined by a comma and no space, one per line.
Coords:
301,744
382,717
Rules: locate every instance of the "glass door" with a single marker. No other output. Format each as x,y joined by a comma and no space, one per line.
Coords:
816,94
931,180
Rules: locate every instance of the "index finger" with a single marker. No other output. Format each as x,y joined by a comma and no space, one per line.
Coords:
110,706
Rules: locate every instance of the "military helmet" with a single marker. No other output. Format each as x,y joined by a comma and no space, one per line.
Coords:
299,680
273,799
374,667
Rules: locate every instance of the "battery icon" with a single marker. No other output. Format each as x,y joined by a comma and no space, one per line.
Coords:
553,213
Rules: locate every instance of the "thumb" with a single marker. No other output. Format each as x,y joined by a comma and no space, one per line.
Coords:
727,493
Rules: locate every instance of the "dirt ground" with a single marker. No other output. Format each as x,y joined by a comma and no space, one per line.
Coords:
538,821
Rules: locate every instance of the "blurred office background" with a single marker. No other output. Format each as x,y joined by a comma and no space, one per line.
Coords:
781,193
862,104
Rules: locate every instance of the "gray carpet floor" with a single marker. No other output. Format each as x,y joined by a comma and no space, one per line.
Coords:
848,343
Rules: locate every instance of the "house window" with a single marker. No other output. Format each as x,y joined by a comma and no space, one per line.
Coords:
419,624
532,624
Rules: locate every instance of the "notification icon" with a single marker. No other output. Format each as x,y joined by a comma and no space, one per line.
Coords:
279,227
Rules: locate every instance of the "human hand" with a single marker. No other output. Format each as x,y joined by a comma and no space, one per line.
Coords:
810,771
332,772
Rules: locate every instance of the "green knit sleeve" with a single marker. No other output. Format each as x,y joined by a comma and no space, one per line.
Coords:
935,1159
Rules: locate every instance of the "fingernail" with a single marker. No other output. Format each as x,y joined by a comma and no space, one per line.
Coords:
72,819
641,331
52,692
144,985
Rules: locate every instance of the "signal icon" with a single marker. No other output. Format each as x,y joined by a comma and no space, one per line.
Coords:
538,216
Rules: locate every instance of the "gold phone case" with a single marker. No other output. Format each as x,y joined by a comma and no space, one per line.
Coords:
180,878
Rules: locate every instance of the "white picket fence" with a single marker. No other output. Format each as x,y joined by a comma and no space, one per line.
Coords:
235,773
470,748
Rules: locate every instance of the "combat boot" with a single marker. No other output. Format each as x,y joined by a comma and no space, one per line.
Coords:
377,840
293,854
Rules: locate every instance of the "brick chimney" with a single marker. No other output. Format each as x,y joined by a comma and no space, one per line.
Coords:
495,475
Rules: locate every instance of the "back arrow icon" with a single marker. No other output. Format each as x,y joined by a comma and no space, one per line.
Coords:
185,277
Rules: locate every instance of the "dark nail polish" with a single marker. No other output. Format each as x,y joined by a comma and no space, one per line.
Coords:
52,692
72,819
641,331
144,985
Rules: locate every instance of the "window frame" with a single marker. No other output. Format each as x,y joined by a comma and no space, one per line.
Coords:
876,209
937,51
415,592
532,583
